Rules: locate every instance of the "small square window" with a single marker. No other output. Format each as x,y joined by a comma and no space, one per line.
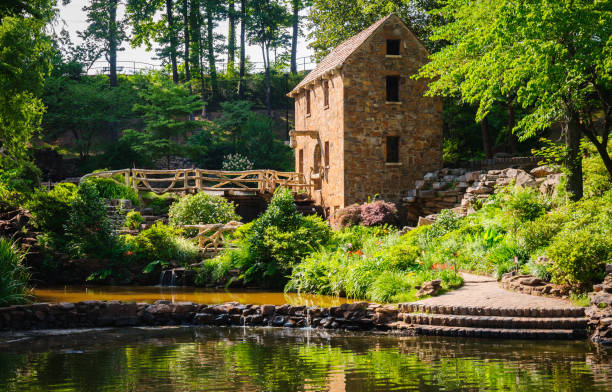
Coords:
307,101
393,47
326,93
392,149
393,83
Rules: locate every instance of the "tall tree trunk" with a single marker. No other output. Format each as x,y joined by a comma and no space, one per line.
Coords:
486,141
112,44
242,48
186,34
266,55
231,37
512,139
173,44
294,38
197,47
210,48
574,158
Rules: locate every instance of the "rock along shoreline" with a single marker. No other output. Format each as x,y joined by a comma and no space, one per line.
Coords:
406,319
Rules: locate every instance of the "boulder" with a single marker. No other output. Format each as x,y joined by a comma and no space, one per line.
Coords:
525,179
424,221
431,287
550,183
543,171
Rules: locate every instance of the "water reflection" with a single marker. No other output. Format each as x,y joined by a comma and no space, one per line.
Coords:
204,296
267,359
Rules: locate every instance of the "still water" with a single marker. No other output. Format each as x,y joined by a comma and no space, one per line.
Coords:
198,295
270,359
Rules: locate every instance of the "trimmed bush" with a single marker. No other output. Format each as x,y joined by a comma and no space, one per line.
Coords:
349,216
202,208
14,275
378,212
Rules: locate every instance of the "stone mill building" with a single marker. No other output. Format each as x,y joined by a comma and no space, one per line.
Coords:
362,125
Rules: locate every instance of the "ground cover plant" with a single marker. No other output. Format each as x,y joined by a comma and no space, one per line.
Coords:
14,275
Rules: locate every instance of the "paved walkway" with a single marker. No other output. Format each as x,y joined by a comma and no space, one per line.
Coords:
484,291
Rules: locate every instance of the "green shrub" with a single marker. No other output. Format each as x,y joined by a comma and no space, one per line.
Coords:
320,273
160,242
160,204
88,229
14,275
51,209
389,285
580,256
10,199
524,204
202,208
280,238
133,220
110,189
596,178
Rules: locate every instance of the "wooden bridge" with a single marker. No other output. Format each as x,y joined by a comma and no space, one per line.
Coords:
228,183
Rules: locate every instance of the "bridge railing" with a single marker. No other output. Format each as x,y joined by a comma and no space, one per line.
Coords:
195,180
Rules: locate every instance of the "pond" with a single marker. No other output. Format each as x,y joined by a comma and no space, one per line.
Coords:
270,359
150,294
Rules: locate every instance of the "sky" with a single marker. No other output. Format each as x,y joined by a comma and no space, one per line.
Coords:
75,20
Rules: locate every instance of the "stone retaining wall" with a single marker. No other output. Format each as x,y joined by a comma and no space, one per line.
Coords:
87,314
409,319
460,189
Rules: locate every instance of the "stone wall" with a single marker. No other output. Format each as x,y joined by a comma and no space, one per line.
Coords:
460,190
417,120
328,122
87,314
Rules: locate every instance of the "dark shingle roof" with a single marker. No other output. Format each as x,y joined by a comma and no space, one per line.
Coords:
340,53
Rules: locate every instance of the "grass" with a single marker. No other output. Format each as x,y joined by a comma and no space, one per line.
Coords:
14,275
581,299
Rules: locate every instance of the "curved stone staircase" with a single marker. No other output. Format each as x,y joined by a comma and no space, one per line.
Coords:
489,322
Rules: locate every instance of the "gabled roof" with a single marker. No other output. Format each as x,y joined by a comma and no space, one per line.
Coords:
340,54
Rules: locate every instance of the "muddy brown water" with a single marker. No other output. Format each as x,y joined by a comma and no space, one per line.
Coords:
150,294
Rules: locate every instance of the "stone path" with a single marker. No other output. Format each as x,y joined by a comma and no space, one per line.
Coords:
484,291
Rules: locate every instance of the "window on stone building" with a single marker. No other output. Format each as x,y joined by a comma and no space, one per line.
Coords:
393,82
326,93
301,161
307,101
392,149
393,47
326,154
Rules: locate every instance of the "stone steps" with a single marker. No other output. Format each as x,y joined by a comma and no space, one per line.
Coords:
489,322
485,311
500,333
494,321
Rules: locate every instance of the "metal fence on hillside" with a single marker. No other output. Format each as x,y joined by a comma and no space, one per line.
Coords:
127,67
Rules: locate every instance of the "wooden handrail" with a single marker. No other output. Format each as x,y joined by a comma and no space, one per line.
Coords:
195,180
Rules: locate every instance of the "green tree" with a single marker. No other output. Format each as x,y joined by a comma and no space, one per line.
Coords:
166,110
267,26
146,29
106,31
554,55
332,21
87,108
296,6
25,60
